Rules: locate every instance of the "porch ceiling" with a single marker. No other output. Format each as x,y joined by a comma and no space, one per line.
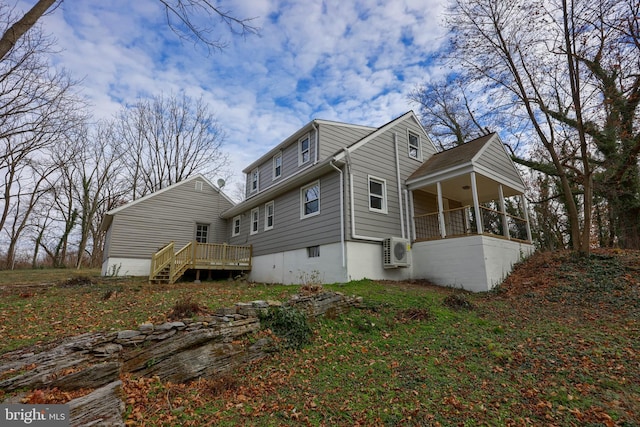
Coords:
459,188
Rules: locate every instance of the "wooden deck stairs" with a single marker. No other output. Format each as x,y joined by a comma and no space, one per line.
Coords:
167,266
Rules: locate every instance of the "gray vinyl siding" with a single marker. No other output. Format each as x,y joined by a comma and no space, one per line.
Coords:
141,229
424,203
496,159
289,165
377,158
289,230
336,137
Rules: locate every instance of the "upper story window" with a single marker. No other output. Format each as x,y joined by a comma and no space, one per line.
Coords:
254,180
202,233
304,150
236,226
199,185
414,146
377,195
277,166
268,215
310,200
255,218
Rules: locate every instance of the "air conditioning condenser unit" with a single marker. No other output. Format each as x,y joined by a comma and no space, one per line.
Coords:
395,252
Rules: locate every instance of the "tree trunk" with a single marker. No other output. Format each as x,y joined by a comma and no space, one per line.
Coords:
17,30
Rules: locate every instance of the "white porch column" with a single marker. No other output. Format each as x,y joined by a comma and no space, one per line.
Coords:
443,231
476,204
412,210
525,212
503,213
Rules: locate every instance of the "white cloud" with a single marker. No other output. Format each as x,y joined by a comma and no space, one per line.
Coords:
345,60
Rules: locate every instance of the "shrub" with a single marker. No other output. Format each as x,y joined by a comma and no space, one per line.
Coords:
289,324
458,302
184,308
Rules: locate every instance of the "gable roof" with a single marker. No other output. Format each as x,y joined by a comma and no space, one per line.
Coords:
408,115
298,134
469,157
108,217
456,156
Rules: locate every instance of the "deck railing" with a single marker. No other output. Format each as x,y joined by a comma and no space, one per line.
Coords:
462,221
183,261
161,259
216,254
169,266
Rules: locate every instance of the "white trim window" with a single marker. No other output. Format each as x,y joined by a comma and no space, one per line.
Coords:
304,150
377,194
255,177
202,233
277,166
236,226
310,200
414,146
255,220
269,215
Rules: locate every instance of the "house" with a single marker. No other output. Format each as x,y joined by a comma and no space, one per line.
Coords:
336,202
180,213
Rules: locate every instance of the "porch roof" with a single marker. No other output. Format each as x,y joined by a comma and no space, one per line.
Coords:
451,168
459,155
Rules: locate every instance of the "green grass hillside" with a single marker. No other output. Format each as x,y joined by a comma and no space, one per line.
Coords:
557,344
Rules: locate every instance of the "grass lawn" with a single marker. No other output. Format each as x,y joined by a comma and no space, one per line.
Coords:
557,344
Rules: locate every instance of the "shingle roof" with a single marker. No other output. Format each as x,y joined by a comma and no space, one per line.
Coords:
459,155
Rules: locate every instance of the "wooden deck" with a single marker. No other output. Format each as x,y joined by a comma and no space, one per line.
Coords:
167,266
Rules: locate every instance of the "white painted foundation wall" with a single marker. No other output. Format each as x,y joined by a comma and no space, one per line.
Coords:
474,263
126,267
295,267
363,261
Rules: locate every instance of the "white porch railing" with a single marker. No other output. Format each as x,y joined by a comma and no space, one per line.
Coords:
461,221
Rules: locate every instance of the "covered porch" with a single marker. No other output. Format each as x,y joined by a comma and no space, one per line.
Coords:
469,216
467,205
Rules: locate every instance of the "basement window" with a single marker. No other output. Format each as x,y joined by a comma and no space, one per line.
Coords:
313,252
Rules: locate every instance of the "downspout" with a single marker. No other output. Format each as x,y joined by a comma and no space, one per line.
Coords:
353,209
342,240
317,155
395,143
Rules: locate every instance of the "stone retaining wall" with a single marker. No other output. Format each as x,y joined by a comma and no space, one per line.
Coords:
178,351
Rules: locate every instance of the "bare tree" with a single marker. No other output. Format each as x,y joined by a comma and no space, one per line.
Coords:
167,139
572,69
447,113
97,186
37,106
189,19
532,51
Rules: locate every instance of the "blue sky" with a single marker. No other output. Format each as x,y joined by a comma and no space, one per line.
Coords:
344,60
